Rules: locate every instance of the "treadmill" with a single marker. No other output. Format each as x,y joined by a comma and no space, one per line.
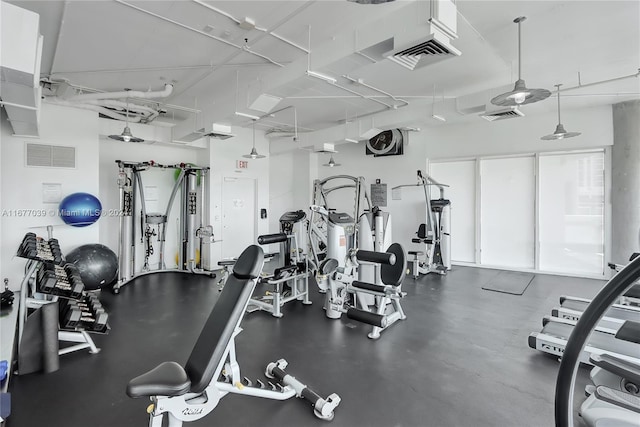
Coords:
621,342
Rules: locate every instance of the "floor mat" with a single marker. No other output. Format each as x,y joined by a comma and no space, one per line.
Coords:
509,282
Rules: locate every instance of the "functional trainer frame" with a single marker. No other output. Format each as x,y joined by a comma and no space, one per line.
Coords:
191,392
192,226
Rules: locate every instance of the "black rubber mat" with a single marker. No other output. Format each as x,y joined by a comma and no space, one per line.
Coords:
509,282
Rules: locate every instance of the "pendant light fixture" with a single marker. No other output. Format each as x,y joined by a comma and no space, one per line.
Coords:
126,135
254,153
520,94
332,163
560,132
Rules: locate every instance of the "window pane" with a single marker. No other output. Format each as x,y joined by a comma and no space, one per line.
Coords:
572,213
461,179
507,207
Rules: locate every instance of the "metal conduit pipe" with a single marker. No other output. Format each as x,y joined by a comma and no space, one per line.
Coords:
104,111
146,113
168,89
186,27
361,83
255,40
237,21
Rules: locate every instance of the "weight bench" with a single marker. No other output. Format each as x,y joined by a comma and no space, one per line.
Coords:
191,392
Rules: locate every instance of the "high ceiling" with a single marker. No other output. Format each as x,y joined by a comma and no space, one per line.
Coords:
205,47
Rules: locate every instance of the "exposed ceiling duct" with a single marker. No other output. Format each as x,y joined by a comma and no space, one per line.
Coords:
216,131
411,49
20,68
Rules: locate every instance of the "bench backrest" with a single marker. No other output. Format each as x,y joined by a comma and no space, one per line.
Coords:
225,317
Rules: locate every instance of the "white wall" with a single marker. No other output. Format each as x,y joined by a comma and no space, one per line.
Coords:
112,150
291,179
223,157
22,186
281,188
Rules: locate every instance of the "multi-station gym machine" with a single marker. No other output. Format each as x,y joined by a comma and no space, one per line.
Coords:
193,229
435,233
359,269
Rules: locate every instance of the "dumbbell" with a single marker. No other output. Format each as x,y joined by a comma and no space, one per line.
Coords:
47,282
71,317
96,320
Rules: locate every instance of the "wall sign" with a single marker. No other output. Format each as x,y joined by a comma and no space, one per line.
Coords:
242,164
379,194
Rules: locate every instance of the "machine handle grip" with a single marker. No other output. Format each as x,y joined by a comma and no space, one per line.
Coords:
377,257
267,239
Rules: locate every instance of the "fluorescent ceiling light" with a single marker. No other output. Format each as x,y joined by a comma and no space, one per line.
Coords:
249,116
321,76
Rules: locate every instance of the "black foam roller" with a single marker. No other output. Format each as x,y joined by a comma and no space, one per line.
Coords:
267,239
377,257
367,317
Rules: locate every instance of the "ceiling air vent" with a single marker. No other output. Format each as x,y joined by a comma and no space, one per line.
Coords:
431,49
491,115
410,47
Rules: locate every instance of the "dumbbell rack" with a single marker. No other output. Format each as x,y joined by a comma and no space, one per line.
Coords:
49,279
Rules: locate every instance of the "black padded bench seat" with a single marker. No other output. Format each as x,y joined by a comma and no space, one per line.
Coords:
207,354
167,379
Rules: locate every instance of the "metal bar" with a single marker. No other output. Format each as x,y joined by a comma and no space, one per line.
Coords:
24,107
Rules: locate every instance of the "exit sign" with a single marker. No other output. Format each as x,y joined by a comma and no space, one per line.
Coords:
242,164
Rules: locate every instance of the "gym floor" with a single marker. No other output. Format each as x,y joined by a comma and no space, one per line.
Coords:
460,359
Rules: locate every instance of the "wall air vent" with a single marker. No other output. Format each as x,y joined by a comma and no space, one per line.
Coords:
51,156
492,115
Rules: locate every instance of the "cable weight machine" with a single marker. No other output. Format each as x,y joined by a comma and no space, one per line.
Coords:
193,234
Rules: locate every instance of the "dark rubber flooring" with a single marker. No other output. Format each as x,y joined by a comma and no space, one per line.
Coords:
460,359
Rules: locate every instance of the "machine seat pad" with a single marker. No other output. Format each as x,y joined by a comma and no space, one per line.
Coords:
328,266
416,253
226,262
621,367
367,286
618,398
629,331
166,379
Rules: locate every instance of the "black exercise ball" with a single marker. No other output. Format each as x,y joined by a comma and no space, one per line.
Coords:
97,264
